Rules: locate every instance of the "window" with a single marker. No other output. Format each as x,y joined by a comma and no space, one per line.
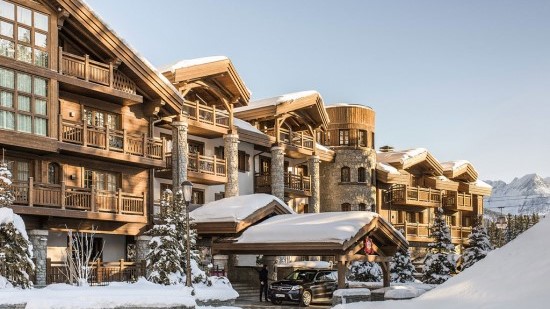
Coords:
101,180
372,140
362,207
346,207
164,187
23,102
219,152
54,173
218,196
197,197
20,169
243,161
102,119
361,174
195,147
345,174
362,138
23,34
265,165
343,137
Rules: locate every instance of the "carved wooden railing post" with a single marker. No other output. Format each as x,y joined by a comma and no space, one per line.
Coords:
60,60
30,195
84,133
92,200
63,194
60,127
144,143
197,112
214,115
144,200
406,229
215,164
86,67
119,199
124,141
107,137
163,150
111,75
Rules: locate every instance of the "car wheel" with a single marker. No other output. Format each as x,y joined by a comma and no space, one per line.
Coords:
306,299
276,301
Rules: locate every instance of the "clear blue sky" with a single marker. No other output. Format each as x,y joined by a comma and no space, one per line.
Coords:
465,79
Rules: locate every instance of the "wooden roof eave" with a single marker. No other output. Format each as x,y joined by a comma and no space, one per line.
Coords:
442,184
426,158
474,189
466,173
388,178
120,50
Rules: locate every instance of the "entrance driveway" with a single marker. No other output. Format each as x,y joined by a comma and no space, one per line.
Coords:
249,304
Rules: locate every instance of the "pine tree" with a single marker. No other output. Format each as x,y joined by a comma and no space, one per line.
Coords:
479,243
535,218
510,230
14,242
519,225
402,269
440,262
166,261
365,272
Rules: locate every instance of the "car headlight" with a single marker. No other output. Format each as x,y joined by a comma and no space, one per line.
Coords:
295,287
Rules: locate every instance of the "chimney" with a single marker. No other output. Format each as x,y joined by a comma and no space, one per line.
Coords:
386,148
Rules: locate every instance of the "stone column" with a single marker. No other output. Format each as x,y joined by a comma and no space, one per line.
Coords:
180,151
315,198
278,172
39,241
231,152
142,247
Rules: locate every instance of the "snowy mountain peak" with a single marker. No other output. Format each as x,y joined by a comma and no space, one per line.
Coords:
523,195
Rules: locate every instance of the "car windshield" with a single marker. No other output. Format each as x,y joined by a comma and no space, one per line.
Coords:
302,275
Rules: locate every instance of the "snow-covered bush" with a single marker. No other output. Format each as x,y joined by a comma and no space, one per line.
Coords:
402,268
365,272
441,259
479,243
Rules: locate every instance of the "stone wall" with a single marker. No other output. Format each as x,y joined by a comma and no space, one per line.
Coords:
334,193
39,241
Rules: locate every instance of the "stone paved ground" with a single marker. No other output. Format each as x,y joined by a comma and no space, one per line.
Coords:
249,304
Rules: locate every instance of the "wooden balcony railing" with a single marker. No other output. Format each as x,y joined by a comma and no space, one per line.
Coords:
417,196
300,139
83,67
75,198
211,165
421,232
207,114
458,201
293,182
101,272
112,140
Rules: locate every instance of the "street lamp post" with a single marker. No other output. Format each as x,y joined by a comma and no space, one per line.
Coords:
187,193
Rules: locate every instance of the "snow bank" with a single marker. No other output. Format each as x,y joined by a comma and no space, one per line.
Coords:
335,227
8,216
277,100
233,209
307,264
351,292
191,62
117,294
401,292
4,283
494,282
400,156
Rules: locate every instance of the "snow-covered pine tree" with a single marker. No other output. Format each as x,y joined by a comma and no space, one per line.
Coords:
479,243
365,272
402,269
534,218
440,261
166,260
511,229
14,242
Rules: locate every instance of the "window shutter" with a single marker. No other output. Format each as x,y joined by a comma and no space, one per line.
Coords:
247,162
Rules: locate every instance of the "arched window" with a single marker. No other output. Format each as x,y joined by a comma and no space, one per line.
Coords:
346,207
345,174
361,174
362,207
54,173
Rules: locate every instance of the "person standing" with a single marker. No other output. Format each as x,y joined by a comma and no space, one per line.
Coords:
263,282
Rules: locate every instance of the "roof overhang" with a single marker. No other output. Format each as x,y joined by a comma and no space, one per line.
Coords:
423,161
441,183
473,188
464,172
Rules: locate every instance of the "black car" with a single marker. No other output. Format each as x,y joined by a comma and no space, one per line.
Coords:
305,286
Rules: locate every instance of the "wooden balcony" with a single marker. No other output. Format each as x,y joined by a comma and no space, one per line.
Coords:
82,67
458,201
200,169
414,196
420,232
114,144
204,120
300,139
76,202
295,185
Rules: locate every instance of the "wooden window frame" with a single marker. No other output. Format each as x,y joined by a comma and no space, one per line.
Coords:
362,138
200,194
243,160
343,137
58,172
342,178
13,167
105,115
345,207
33,30
362,175
193,143
104,174
16,111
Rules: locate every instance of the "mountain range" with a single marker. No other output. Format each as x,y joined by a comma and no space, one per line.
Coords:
525,195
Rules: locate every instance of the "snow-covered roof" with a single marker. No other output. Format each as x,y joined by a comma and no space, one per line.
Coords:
454,165
386,168
246,126
332,227
349,105
274,101
234,209
482,184
191,62
401,156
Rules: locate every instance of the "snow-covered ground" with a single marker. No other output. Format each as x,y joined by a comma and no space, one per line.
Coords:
514,276
141,293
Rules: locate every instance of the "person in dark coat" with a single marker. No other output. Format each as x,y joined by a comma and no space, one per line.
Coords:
263,282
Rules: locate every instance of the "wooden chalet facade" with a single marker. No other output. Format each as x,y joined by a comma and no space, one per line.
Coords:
77,113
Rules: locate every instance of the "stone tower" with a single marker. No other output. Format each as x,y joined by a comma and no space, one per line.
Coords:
349,182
